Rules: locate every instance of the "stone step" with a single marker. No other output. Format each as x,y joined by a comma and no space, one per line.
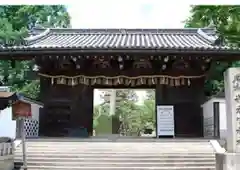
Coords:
102,159
74,154
114,144
30,160
116,147
119,164
117,143
119,139
138,147
109,147
121,168
62,150
110,154
114,152
144,155
119,147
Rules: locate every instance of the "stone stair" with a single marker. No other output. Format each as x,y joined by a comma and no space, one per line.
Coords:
136,154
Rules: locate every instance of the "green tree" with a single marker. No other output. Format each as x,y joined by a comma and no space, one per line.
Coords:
129,115
148,113
101,112
225,18
150,94
125,110
15,23
133,118
226,21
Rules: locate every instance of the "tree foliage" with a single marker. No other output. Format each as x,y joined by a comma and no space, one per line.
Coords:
133,118
150,94
226,21
15,23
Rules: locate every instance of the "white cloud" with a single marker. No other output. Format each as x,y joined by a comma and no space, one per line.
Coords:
128,14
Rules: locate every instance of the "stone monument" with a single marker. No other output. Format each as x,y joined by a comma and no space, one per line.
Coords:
231,159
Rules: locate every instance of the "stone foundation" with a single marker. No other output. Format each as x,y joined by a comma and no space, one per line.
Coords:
228,161
7,162
6,156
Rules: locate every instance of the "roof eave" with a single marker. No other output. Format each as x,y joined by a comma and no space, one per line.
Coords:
31,52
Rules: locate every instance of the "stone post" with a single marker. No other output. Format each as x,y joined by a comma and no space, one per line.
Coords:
230,159
231,90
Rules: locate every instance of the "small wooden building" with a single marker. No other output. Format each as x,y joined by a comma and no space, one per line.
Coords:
72,62
13,106
29,109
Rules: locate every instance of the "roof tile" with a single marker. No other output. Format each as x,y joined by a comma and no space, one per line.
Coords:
193,39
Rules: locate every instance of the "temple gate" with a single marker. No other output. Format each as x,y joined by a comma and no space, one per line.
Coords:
72,62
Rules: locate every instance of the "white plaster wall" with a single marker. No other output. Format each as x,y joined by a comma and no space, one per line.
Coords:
35,111
208,109
208,120
7,125
223,119
208,112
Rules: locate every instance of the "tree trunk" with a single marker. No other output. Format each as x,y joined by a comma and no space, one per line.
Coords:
113,102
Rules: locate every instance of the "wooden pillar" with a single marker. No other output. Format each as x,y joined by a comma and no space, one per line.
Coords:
160,95
44,87
159,100
87,107
82,110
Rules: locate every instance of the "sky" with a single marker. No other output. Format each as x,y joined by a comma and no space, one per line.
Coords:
127,14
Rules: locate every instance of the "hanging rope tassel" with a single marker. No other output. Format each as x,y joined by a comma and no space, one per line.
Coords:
182,81
93,81
52,81
177,82
171,82
189,82
132,82
58,80
166,81
152,79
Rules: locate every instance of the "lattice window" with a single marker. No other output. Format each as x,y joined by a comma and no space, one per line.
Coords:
31,128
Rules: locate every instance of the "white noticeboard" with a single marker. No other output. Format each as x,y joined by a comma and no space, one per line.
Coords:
165,120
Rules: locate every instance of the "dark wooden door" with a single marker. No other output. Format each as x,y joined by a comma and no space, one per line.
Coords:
57,121
188,120
216,113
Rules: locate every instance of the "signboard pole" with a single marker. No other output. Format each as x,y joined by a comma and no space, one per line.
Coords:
23,135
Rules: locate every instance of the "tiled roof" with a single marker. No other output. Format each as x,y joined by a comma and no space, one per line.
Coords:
124,39
7,98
